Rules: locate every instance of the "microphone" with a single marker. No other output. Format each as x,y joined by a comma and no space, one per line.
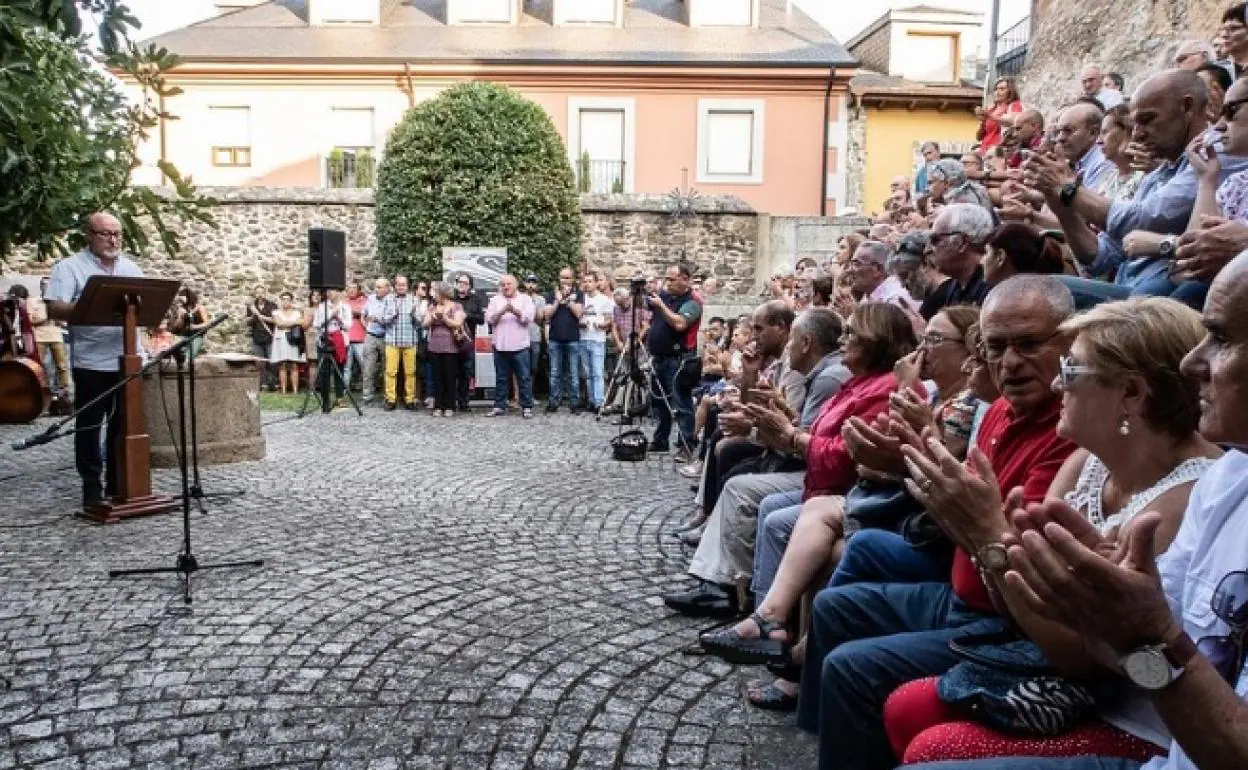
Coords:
37,440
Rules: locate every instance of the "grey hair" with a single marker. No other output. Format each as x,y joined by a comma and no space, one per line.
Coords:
970,219
1013,290
1202,47
929,143
823,325
621,292
441,287
879,251
949,170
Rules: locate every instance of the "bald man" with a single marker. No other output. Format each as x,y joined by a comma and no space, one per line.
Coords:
1139,238
1092,83
95,353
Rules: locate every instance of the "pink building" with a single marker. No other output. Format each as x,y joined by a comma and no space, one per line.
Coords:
739,97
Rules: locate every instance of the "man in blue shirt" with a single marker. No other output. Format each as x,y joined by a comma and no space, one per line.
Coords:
1168,112
375,339
95,353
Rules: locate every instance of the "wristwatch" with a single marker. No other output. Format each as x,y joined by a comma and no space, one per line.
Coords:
1166,249
993,557
1157,666
1068,192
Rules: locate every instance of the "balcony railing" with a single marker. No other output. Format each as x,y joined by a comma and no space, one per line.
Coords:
1012,48
599,176
350,168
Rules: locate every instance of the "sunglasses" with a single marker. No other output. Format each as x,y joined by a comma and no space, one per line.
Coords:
1230,603
1069,371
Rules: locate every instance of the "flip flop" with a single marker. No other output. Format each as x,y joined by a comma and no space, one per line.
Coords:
772,698
730,646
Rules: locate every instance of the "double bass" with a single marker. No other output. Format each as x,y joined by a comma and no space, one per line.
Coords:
24,390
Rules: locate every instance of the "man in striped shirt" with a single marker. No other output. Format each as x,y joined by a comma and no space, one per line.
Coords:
398,315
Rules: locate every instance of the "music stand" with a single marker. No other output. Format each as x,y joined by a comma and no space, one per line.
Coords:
130,303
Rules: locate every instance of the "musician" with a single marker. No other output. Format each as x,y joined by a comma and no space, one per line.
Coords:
17,317
95,352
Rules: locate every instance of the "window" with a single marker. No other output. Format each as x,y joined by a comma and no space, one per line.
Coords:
931,58
230,129
601,144
351,127
350,161
480,11
586,11
730,141
721,13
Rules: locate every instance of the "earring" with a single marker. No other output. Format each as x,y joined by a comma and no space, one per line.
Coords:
1124,429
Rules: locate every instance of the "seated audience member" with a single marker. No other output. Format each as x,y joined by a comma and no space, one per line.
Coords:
725,552
1029,135
821,291
1121,181
1194,54
907,264
1218,81
1175,626
956,248
1016,248
1227,199
1004,113
872,280
1135,418
1133,240
1114,82
949,182
815,532
866,639
1092,81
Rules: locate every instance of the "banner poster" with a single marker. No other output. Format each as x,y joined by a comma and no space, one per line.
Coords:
487,265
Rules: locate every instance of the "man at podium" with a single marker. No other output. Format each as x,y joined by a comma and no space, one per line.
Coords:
95,352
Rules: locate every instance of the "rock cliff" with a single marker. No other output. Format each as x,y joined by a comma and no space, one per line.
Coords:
1131,37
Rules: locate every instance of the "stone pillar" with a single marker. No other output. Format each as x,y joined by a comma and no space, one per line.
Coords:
227,412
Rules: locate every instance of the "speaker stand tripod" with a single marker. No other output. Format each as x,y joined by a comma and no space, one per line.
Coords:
323,385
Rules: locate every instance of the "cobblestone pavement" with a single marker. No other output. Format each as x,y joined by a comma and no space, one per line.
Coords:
464,593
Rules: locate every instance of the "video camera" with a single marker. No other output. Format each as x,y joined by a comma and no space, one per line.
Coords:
637,286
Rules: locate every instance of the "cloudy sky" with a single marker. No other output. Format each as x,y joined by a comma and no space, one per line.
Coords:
842,17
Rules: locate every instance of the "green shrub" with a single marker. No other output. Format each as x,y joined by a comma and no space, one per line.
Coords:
479,165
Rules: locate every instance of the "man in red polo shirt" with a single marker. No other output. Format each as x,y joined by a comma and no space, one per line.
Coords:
866,639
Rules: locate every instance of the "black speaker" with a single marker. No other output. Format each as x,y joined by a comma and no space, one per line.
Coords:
327,259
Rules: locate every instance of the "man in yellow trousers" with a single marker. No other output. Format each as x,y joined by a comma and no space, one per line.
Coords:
401,316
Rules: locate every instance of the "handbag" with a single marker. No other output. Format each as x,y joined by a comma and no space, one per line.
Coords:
1005,682
869,505
294,335
463,340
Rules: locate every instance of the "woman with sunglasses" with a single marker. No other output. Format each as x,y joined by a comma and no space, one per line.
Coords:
1135,419
1230,198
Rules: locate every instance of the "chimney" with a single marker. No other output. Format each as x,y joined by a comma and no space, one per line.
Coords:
229,6
335,12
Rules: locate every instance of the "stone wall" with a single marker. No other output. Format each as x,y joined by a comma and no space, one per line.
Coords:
1125,36
261,239
789,239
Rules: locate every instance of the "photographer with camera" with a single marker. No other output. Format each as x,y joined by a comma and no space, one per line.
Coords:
673,343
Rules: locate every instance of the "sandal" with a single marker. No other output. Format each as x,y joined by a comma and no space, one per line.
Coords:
732,647
788,670
772,698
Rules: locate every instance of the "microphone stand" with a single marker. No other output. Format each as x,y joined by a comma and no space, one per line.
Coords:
186,564
197,489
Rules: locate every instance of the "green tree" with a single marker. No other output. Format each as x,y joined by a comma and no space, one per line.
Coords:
68,133
477,166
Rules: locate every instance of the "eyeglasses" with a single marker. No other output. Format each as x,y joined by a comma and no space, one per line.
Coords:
1231,108
994,350
1230,603
114,234
933,339
938,238
1069,371
462,282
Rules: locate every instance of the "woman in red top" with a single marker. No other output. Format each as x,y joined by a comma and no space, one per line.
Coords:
877,336
1003,113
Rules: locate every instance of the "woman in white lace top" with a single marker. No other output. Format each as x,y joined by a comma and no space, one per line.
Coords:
1133,415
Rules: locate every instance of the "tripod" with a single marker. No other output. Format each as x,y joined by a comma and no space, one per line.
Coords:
186,564
634,372
325,355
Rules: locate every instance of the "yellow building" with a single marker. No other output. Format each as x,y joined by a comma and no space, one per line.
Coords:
910,90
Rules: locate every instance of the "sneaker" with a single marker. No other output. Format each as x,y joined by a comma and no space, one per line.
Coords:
552,408
576,410
659,448
691,470
428,403
528,414
391,406
410,407
447,413
496,412
683,456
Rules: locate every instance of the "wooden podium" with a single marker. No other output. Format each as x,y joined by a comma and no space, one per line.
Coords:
131,303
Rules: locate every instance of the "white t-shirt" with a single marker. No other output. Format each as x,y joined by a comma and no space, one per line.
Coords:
599,310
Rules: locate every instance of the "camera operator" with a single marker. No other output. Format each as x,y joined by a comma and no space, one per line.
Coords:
673,342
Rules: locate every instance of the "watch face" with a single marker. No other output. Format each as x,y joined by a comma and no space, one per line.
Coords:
994,557
1148,669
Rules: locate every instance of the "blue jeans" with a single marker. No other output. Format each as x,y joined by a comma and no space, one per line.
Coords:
594,355
667,372
1089,292
866,640
777,515
880,556
355,357
565,361
507,363
1034,763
